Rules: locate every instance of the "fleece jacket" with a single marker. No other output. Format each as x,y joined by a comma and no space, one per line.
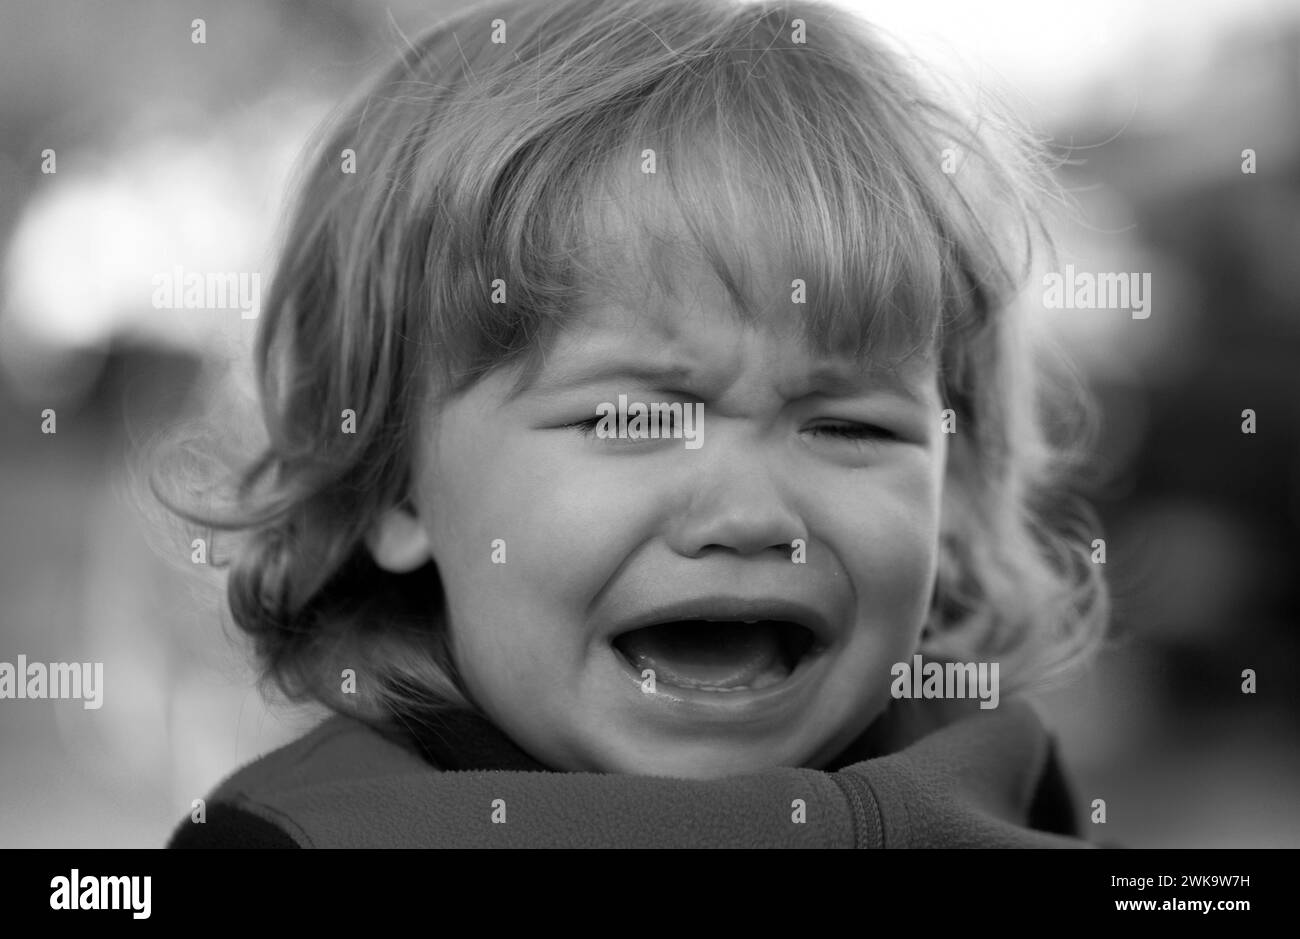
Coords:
927,774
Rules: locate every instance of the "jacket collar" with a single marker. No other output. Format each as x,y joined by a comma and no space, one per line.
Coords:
465,740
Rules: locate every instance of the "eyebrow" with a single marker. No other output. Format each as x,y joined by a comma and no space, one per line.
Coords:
825,379
662,375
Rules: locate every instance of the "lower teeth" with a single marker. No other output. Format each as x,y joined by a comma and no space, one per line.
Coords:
763,681
683,655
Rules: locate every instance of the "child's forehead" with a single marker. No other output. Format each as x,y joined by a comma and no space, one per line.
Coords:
644,271
695,341
661,273
639,311
664,301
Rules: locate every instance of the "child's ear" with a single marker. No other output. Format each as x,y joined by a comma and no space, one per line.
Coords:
397,541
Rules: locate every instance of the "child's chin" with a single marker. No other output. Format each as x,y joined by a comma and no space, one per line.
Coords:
703,760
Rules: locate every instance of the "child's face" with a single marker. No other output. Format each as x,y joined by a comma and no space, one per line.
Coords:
601,536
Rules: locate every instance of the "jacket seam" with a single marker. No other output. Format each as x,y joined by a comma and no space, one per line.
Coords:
275,817
852,786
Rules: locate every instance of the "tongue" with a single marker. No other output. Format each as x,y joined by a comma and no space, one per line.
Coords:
709,656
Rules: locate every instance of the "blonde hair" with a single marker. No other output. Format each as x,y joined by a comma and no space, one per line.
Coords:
479,160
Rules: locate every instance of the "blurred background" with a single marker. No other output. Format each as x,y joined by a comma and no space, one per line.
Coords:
174,153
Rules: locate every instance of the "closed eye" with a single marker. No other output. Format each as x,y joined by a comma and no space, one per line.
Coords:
586,428
855,431
842,431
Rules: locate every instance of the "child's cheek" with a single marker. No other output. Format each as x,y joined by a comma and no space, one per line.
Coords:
531,523
581,506
573,519
886,533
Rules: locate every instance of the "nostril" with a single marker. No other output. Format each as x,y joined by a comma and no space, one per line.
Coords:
795,550
747,514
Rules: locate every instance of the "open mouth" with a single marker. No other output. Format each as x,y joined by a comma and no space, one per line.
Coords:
718,655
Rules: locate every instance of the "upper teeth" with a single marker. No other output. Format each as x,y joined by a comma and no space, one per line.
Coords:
750,622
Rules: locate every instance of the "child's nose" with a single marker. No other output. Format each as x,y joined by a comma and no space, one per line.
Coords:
736,507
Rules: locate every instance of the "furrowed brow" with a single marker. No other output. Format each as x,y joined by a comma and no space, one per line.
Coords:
835,380
555,380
